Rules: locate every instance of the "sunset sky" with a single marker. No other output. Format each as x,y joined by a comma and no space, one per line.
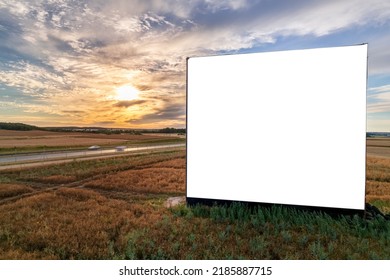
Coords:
121,63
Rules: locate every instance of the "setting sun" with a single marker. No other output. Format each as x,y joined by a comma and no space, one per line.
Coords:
126,92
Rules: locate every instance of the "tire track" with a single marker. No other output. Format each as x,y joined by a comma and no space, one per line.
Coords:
49,187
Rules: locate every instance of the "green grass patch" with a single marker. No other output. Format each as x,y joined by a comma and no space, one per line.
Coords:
383,205
238,232
38,149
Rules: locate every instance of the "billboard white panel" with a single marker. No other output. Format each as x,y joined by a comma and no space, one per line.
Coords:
285,127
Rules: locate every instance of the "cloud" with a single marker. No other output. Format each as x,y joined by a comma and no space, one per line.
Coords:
378,100
33,79
74,54
381,125
169,114
111,123
379,55
73,113
129,103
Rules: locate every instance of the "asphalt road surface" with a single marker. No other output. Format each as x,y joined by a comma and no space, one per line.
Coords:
52,156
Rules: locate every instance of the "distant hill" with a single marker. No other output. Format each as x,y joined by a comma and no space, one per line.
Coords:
114,130
18,126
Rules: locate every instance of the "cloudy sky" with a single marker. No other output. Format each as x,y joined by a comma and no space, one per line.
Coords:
121,63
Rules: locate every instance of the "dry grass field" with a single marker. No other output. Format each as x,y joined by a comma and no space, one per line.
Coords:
114,209
378,182
70,212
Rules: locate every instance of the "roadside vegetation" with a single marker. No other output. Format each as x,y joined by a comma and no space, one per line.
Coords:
115,209
17,142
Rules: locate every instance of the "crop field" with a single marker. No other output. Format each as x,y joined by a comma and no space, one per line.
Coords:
378,147
114,208
32,141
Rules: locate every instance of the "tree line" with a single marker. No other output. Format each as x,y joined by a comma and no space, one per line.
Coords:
18,126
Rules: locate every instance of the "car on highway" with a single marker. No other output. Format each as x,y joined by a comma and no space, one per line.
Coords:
120,148
93,148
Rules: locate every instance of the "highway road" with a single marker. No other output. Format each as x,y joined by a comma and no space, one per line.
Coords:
60,155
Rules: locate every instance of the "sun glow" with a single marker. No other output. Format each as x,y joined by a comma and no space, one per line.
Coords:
126,92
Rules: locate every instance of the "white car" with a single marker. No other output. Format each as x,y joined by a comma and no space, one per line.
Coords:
94,148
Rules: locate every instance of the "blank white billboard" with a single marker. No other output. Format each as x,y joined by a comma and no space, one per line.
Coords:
285,127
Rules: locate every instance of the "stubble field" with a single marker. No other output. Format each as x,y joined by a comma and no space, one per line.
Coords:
115,209
378,147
